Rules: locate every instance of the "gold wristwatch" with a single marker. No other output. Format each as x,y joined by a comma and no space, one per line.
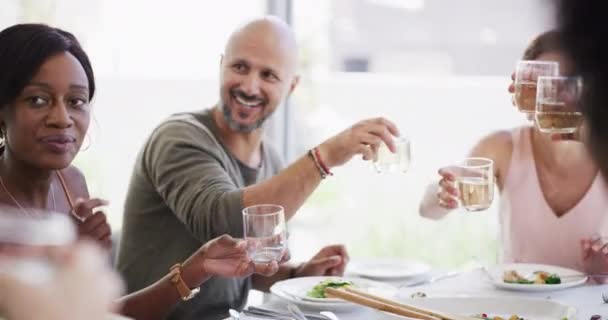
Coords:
175,274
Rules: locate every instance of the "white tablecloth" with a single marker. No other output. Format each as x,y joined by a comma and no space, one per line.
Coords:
586,299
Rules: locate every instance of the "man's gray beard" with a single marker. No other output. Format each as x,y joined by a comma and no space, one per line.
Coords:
234,125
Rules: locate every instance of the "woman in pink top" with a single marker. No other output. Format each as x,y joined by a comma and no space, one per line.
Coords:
553,198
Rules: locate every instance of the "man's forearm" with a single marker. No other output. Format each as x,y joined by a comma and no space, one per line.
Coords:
289,188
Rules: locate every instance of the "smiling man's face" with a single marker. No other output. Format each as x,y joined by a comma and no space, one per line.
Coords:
257,74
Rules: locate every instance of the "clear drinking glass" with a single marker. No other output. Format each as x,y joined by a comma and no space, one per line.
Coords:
398,162
475,183
265,232
526,76
26,239
557,104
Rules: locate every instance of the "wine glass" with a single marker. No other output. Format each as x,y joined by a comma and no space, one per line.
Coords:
558,104
389,162
475,183
25,241
526,75
265,232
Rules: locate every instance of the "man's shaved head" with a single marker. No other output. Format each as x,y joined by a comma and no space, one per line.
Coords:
268,32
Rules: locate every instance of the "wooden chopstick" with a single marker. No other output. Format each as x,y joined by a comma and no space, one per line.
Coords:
432,313
373,303
424,311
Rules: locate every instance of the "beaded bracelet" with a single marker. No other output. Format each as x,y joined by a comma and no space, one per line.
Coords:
312,155
321,163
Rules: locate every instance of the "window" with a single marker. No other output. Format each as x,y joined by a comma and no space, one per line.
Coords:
440,70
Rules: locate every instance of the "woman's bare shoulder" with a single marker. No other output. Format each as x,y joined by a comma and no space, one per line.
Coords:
496,144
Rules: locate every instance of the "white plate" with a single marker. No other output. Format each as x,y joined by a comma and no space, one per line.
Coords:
387,268
529,309
570,278
294,290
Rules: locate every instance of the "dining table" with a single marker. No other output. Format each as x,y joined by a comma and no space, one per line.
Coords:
586,299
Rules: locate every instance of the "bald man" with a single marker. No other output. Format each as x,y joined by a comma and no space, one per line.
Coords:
198,171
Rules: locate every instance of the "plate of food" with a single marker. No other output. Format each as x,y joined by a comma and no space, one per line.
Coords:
310,291
387,268
492,308
534,277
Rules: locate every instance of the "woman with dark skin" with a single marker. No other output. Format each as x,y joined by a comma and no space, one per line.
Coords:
44,115
46,86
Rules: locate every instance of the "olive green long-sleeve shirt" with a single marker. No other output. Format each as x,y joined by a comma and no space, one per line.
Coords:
186,189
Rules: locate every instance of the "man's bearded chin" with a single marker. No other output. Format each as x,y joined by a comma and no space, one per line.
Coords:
239,127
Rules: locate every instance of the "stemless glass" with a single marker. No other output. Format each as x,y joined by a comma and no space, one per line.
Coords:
557,104
26,239
475,183
398,162
265,232
526,75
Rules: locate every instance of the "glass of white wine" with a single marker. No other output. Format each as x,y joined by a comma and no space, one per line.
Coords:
526,76
398,162
557,104
475,183
265,232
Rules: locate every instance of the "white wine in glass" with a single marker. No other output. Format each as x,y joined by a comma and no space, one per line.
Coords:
557,105
526,75
475,193
389,162
475,183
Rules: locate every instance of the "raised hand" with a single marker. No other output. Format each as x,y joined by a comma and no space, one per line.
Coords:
224,256
447,194
92,225
329,261
362,138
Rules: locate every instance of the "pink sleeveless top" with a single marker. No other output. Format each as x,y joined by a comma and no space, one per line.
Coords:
530,230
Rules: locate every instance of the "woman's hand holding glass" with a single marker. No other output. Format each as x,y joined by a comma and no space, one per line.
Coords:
447,193
469,184
224,256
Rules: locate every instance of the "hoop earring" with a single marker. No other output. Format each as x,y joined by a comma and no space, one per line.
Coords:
87,138
2,137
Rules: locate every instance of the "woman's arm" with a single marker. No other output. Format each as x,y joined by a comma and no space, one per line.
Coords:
441,198
223,256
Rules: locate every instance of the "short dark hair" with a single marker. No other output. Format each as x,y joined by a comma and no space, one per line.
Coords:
549,41
23,50
584,30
